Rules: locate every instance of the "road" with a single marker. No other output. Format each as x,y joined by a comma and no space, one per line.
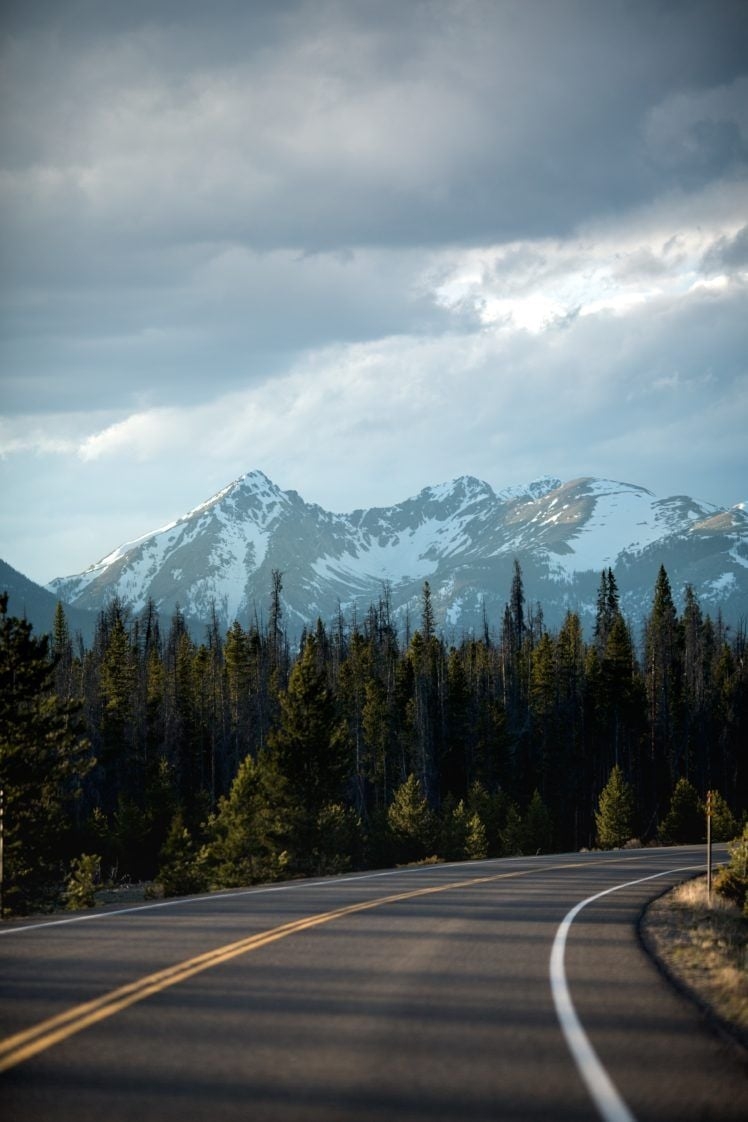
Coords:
453,992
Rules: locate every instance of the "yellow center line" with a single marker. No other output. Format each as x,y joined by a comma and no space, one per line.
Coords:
30,1042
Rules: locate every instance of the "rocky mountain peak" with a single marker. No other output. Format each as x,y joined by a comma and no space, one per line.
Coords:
462,535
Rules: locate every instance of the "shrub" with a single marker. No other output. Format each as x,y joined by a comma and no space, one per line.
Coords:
732,880
80,886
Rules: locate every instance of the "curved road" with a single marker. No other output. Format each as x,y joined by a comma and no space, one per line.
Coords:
512,989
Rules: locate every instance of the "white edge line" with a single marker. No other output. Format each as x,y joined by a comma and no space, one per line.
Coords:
215,897
602,1090
260,889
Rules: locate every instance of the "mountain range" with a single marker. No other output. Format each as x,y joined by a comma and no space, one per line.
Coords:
462,536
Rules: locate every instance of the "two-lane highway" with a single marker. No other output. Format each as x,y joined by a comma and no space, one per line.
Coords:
491,990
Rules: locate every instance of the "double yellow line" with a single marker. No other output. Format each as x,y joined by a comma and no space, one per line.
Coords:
22,1046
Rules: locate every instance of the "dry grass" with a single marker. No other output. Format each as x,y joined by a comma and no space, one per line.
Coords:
705,947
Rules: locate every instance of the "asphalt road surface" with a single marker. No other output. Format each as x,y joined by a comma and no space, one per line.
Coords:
498,990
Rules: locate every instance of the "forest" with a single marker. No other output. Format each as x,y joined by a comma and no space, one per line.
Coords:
151,757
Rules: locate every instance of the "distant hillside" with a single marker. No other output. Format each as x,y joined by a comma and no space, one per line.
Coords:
32,602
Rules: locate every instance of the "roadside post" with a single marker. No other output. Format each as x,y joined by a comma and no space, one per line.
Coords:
709,847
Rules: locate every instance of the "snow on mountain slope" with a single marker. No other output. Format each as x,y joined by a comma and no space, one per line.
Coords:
209,549
609,519
462,536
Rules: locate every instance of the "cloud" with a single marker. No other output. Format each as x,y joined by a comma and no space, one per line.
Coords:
651,255
415,240
728,254
701,132
429,405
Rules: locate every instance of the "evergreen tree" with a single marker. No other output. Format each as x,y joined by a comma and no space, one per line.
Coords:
663,681
476,839
684,822
62,654
247,836
725,826
310,747
621,705
354,687
376,733
614,816
339,837
513,833
517,609
275,630
423,710
80,886
607,608
238,664
411,822
453,829
427,614
43,758
457,757
537,828
491,810
179,872
117,691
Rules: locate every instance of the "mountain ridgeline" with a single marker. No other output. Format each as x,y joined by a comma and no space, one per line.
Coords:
242,755
216,562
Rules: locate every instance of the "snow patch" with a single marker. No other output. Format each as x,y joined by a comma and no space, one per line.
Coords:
621,520
721,585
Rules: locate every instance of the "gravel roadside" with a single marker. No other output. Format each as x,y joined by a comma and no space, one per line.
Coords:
703,948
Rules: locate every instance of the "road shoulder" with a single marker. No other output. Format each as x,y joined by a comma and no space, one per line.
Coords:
703,951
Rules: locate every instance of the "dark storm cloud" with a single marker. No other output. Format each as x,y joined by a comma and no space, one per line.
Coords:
221,316
322,125
435,237
728,255
142,141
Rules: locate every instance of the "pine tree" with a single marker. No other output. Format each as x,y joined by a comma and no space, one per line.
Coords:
248,835
427,614
614,816
453,829
120,768
517,609
725,826
424,710
275,629
491,810
310,746
512,835
411,822
338,839
179,872
663,680
457,756
685,822
621,704
62,654
537,828
238,665
607,608
43,759
476,839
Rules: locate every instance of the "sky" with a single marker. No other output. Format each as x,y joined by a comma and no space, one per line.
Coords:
365,247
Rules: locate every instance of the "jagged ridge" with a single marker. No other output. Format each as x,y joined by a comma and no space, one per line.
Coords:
462,536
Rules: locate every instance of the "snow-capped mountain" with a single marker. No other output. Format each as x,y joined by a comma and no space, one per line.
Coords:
461,536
